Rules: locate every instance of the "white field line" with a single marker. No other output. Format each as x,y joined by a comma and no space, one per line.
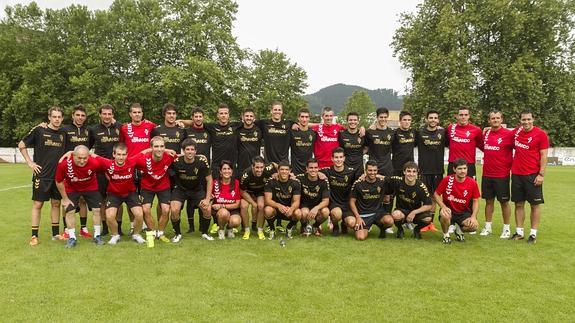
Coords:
14,187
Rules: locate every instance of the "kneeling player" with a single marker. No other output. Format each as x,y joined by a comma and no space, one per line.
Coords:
458,197
226,203
314,199
192,171
412,200
282,198
252,184
366,203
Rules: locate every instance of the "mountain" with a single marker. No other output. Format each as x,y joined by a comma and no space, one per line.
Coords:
336,95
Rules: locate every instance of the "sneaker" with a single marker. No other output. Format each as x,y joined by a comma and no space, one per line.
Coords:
410,226
138,238
451,229
208,237
34,241
472,232
280,229
505,234
221,234
261,235
85,233
400,233
60,237
246,235
163,238
272,235
516,236
485,232
329,224
289,233
532,239
214,229
114,239
177,238
446,240
65,236
317,232
459,236
307,231
71,243
429,227
267,229
98,241
132,231
389,230
235,230
231,234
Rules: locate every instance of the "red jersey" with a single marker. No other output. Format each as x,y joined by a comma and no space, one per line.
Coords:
326,142
528,146
154,173
457,196
136,138
223,194
497,152
121,178
463,140
78,179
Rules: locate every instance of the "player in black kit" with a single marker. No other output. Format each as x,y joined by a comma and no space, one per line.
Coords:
353,144
249,140
314,199
224,139
301,142
378,141
282,198
402,143
276,132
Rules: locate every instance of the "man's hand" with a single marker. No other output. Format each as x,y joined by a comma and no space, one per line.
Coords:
538,180
204,203
66,155
67,204
295,127
362,131
321,176
359,224
445,211
410,217
313,213
35,167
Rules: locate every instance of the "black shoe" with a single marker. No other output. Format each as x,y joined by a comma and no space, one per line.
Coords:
417,234
104,231
192,228
446,240
459,236
400,233
382,233
532,239
516,236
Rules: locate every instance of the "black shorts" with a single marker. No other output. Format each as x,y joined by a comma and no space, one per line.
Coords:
345,211
92,198
232,212
164,196
256,193
524,189
115,201
44,190
385,171
431,181
371,220
102,184
471,172
495,188
459,217
418,217
138,180
182,195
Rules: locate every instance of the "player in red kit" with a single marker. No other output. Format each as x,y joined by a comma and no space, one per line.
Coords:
531,144
497,158
226,201
137,133
462,138
327,138
458,197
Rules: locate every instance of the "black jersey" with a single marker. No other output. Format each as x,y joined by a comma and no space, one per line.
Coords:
202,139
352,145
402,146
408,197
75,136
253,184
103,138
191,176
312,192
283,192
173,136
224,143
49,145
276,139
369,196
431,150
340,184
249,146
379,143
301,144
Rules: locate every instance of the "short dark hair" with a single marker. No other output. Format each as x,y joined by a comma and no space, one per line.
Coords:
464,107
311,161
258,159
189,142
381,111
284,163
459,162
197,110
226,162
169,107
106,107
371,162
55,108
248,109
526,111
352,113
431,111
326,109
303,110
134,106
411,164
223,106
79,107
120,146
403,114
276,102
337,150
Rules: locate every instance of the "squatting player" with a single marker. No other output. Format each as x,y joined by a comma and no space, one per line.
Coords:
282,199
252,183
314,199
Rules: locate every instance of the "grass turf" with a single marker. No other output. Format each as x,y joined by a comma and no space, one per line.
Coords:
319,279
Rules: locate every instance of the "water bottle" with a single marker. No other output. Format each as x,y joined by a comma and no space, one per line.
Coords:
150,237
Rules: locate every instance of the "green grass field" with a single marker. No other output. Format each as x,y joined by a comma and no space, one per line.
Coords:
313,279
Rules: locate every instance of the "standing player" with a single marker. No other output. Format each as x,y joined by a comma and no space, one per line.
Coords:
463,138
327,137
282,199
497,159
276,134
75,179
249,140
226,201
458,198
340,179
413,201
378,141
49,145
528,171
402,144
193,184
353,144
224,140
169,131
302,142
252,183
366,203
314,199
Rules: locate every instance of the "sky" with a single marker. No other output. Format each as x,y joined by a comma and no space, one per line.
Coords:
333,41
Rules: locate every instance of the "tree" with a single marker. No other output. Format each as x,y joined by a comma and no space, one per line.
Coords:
492,54
361,103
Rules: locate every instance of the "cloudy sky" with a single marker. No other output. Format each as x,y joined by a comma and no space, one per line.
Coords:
334,41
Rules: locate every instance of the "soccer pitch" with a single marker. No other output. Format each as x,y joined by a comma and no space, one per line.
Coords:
310,279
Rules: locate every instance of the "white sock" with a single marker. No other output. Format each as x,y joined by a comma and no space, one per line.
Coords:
260,229
72,233
488,225
159,233
97,230
247,229
519,231
446,235
131,225
506,227
533,232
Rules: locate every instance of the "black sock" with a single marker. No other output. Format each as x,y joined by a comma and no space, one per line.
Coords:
291,224
64,222
119,226
55,229
254,225
83,222
399,224
387,208
204,225
271,224
278,222
35,231
176,225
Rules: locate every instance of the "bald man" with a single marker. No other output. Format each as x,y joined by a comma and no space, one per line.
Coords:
75,178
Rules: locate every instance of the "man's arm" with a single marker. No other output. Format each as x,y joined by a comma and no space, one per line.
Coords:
294,204
443,208
421,209
35,167
268,199
65,200
475,208
542,165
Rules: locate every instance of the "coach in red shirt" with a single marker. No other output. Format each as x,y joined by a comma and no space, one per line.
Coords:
462,138
531,144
